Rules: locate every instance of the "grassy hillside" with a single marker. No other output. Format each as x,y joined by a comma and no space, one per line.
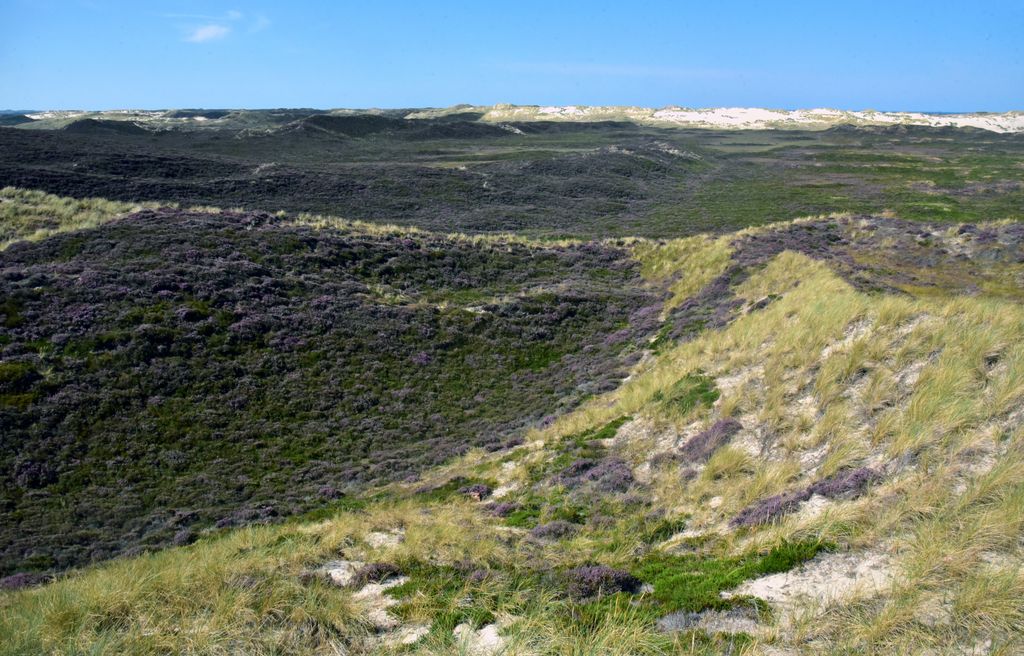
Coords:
32,215
822,452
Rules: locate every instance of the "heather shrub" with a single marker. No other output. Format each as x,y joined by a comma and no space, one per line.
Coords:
850,483
477,491
702,445
609,475
22,580
555,530
846,484
224,361
34,474
577,469
330,492
374,573
502,508
592,581
612,475
183,537
766,510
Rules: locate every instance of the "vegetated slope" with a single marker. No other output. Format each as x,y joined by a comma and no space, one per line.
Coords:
105,127
821,468
366,125
174,370
580,179
32,215
8,120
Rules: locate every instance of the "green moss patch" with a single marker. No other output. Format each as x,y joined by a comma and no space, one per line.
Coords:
689,392
695,583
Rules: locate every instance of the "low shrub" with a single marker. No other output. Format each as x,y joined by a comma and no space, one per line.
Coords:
592,581
555,530
374,573
702,445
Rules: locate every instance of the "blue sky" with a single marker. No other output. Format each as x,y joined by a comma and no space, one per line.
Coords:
97,54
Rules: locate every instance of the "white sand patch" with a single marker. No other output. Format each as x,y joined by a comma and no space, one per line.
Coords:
405,635
510,128
728,384
645,434
853,333
750,441
504,490
811,459
375,603
908,377
812,508
642,473
382,539
822,581
733,620
341,571
756,118
482,642
371,591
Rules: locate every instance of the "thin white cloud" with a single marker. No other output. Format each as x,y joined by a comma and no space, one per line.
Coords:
232,15
205,33
215,27
261,23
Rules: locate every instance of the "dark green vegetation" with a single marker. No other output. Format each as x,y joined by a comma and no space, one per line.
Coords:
681,587
173,371
586,179
695,582
690,391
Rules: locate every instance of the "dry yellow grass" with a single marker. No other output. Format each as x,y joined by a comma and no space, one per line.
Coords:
33,215
690,263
